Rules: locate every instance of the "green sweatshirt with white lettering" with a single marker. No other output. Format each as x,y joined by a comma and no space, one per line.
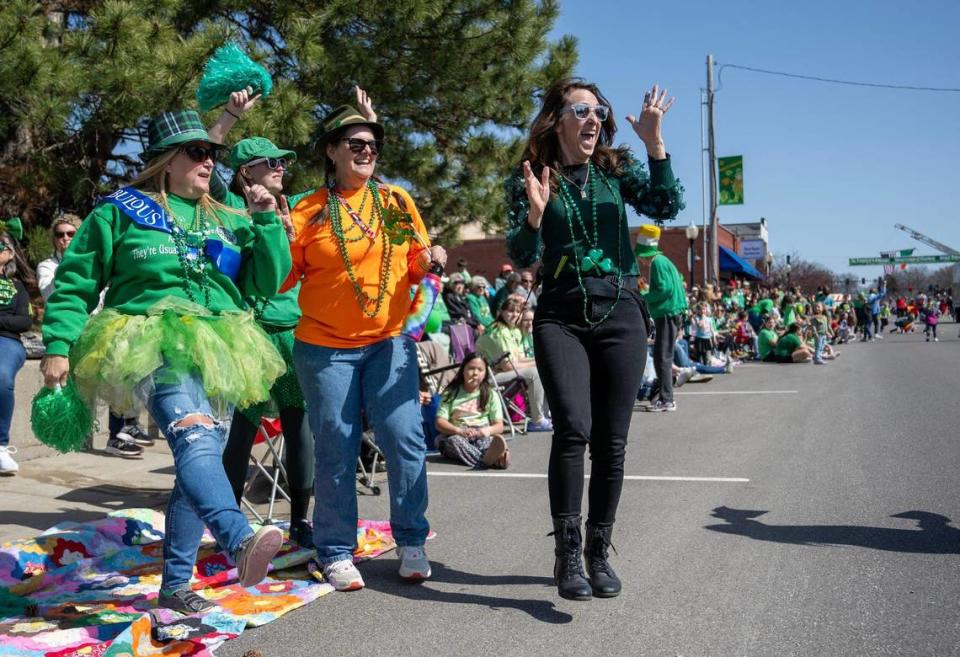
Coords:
141,266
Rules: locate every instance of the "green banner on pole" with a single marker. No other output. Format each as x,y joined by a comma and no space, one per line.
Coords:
913,260
731,180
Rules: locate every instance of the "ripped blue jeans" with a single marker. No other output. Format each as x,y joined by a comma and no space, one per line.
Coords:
201,493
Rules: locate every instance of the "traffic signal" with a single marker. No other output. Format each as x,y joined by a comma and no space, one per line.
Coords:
863,281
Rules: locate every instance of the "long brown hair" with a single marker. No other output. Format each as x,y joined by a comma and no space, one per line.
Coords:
543,148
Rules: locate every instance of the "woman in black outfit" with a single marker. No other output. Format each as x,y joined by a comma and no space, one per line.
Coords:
566,209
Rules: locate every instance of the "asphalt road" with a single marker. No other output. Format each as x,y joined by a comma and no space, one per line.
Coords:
841,542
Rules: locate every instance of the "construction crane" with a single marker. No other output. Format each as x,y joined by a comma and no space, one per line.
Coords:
929,241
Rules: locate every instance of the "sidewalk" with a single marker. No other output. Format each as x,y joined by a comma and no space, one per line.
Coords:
53,487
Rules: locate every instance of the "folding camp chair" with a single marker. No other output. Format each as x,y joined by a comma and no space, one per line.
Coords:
269,465
463,340
369,450
507,392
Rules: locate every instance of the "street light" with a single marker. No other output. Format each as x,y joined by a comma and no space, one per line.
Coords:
692,232
769,260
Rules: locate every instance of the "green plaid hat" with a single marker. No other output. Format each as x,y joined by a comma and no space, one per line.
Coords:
172,129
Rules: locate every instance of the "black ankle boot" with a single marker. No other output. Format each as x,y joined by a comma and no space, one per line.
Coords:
568,572
603,580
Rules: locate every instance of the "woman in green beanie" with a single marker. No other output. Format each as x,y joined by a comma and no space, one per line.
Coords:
174,332
257,161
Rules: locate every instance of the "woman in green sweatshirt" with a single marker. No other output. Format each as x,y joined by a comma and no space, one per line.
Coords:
173,331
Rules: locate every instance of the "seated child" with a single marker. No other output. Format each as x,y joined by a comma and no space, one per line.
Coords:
470,418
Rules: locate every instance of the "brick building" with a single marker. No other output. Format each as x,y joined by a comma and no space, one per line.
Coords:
485,255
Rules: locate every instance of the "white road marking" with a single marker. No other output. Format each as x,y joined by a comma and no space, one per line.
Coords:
741,392
537,475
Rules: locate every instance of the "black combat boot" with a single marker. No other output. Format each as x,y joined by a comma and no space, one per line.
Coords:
603,580
568,572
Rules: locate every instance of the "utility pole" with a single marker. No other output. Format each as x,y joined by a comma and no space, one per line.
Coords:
713,262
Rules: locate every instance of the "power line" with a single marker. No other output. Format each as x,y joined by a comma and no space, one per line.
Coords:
831,80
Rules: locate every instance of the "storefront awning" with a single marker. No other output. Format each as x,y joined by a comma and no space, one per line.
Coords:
731,262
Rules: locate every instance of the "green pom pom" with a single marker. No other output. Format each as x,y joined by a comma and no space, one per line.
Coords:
230,70
61,419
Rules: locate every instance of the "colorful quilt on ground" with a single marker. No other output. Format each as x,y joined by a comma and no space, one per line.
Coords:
89,589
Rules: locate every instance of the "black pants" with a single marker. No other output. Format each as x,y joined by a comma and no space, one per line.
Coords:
298,455
590,376
663,344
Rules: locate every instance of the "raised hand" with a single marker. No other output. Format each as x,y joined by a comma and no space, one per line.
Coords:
647,126
284,211
241,101
538,192
365,105
259,199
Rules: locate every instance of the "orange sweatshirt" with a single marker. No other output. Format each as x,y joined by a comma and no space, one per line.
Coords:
331,312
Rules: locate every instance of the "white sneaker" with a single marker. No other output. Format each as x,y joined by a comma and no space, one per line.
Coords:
7,465
685,375
343,575
414,565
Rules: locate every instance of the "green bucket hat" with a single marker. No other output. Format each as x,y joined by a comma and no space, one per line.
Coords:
172,129
255,147
344,117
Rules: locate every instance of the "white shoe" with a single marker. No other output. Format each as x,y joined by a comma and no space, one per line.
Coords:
414,565
343,575
7,465
685,375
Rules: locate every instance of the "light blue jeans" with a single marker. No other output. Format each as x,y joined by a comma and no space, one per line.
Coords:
819,343
201,493
381,380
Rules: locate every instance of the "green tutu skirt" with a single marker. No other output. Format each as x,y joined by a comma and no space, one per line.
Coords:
286,391
117,354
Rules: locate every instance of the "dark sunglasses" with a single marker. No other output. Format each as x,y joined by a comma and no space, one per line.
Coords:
356,145
61,233
272,162
200,154
582,111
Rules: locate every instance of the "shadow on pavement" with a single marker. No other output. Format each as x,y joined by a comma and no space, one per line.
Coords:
933,535
115,498
381,575
44,520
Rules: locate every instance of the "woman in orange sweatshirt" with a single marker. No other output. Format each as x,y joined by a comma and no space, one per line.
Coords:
357,267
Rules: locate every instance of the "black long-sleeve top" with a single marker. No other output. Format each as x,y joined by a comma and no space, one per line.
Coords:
15,313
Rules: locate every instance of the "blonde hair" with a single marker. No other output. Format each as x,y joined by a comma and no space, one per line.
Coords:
153,179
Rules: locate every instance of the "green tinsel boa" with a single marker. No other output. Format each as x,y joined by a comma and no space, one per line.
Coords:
227,71
61,419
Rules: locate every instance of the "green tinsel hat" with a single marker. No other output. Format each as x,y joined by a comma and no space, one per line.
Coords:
227,71
60,418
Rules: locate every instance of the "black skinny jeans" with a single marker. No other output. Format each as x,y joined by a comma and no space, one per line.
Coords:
591,376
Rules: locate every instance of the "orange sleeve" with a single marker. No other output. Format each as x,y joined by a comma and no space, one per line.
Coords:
301,216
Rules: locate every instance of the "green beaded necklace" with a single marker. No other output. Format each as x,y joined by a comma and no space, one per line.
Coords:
7,291
595,259
190,245
336,225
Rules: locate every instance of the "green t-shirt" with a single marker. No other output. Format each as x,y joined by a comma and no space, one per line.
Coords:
283,308
499,339
462,409
788,344
766,342
141,266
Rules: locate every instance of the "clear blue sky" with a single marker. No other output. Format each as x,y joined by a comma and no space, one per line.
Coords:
831,167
